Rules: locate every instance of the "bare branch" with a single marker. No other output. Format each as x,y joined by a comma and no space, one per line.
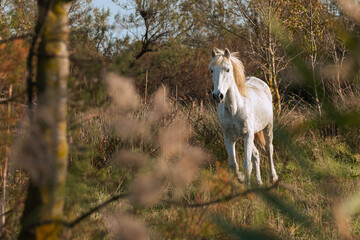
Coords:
22,36
7,100
228,198
224,199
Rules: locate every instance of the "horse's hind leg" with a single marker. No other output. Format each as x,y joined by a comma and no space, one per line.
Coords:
268,134
249,146
256,162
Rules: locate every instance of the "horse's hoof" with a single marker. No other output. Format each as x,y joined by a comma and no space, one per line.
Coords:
259,183
274,179
240,177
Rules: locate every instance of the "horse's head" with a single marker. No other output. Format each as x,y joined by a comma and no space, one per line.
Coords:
222,73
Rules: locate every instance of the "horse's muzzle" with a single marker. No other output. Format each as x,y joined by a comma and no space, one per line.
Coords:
218,97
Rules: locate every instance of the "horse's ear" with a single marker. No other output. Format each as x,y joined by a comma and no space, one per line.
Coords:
227,53
213,53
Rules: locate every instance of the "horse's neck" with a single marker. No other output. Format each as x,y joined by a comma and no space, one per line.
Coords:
233,100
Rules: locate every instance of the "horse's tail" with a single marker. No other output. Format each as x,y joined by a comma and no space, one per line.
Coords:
259,137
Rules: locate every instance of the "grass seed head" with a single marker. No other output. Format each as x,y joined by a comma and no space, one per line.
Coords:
122,91
126,227
173,138
129,159
147,189
34,149
185,170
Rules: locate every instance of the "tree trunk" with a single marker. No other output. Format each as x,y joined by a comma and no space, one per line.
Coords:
44,204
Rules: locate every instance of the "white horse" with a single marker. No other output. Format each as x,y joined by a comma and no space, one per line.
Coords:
245,111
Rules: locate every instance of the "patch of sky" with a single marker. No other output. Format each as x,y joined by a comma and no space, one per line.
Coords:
118,11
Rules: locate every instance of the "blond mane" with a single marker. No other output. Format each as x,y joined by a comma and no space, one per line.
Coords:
238,69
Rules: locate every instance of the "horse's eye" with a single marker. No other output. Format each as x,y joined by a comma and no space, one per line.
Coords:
211,71
227,70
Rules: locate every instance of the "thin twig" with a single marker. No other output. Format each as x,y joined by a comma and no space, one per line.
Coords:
6,213
224,199
10,39
73,223
97,208
10,99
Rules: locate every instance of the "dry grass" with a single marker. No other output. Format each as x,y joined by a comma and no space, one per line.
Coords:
162,163
167,156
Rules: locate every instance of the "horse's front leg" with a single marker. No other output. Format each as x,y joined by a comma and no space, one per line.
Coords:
230,148
249,145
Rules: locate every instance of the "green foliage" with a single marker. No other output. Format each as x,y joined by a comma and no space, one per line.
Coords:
17,17
179,67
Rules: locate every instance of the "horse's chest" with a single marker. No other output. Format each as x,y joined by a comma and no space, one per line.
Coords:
233,125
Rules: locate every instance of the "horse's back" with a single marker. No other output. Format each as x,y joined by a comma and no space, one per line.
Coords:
258,86
260,96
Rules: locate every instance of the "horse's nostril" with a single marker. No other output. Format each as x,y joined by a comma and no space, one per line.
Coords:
221,97
214,96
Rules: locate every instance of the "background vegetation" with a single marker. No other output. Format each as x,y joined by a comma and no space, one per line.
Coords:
146,155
